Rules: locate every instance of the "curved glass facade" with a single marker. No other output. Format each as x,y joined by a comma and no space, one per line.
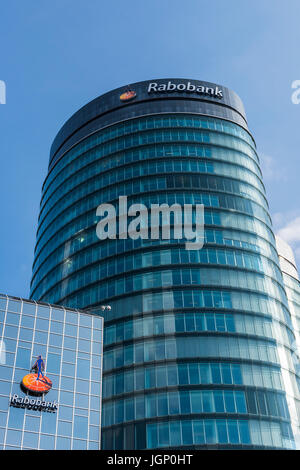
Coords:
197,343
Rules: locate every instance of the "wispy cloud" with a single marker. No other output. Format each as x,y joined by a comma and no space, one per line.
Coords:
271,169
291,231
287,226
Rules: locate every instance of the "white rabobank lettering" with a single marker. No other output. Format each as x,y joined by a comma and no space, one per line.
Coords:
188,87
33,404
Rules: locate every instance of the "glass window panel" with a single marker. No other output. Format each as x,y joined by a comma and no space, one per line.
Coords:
14,306
58,314
83,369
69,343
66,412
12,318
11,331
222,431
16,417
49,423
27,321
240,402
69,369
71,317
219,401
210,431
31,440
233,432
42,324
53,363
226,373
229,402
13,437
66,397
80,426
67,383
55,340
163,434
47,442
244,432
56,327
64,428
5,372
69,356
85,320
237,374
26,334
29,308
32,423
43,311
71,330
23,358
81,401
63,443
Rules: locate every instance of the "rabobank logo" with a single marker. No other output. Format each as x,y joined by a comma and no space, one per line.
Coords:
187,87
2,92
128,95
37,382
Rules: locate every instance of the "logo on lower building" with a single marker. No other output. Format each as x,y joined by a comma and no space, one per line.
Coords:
36,382
128,95
33,403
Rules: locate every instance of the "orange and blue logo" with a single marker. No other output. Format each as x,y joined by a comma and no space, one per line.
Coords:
36,382
128,95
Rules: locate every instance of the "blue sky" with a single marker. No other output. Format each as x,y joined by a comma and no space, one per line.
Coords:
56,56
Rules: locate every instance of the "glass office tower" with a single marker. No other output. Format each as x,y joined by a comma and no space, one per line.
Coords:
197,341
61,410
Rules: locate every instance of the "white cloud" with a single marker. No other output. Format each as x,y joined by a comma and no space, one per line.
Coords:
271,170
287,227
291,231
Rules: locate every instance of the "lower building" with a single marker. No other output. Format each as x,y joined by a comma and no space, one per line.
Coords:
50,376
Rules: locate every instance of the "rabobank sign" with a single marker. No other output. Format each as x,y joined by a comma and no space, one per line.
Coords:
187,87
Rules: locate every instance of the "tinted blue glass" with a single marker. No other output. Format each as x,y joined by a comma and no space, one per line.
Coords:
16,418
66,398
49,423
79,444
47,442
5,372
65,413
80,427
23,358
53,363
222,431
13,437
31,439
2,436
64,428
210,432
32,423
244,432
63,443
12,318
233,432
83,369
